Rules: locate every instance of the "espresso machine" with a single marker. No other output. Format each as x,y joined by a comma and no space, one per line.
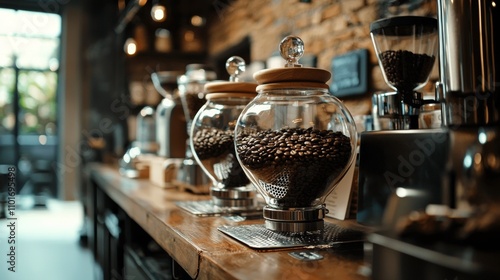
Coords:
432,194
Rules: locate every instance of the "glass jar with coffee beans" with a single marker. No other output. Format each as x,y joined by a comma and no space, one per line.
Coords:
212,139
295,141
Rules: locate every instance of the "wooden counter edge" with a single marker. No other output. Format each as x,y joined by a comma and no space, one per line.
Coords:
173,242
180,249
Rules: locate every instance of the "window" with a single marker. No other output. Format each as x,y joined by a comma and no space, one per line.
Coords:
29,56
29,64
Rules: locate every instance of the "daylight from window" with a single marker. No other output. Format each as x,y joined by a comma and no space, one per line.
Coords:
29,64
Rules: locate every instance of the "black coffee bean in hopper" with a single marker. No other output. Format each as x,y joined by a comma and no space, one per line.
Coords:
405,69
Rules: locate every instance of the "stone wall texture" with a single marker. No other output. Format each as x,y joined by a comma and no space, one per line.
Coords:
328,28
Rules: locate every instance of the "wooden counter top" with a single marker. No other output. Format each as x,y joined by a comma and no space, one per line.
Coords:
205,252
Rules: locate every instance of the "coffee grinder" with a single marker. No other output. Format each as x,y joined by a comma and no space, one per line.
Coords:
406,48
436,165
464,155
170,122
400,158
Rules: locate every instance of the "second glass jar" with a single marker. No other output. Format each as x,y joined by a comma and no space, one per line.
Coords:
212,142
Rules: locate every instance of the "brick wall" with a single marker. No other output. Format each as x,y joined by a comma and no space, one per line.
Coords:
327,27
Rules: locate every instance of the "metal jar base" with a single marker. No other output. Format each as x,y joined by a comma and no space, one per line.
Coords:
295,220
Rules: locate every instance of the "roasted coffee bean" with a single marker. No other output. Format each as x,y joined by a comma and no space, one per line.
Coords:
215,148
405,69
211,142
297,172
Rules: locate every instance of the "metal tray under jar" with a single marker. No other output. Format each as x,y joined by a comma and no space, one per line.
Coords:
208,208
257,236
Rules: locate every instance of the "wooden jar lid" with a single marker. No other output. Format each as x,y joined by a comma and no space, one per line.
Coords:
292,85
230,95
292,78
292,74
217,90
223,87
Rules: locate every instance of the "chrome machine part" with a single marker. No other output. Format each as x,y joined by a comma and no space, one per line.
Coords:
469,84
467,62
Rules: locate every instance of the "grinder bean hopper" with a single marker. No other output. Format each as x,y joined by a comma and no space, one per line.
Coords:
406,48
295,141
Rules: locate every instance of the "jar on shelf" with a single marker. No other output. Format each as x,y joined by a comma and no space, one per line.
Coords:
212,138
295,141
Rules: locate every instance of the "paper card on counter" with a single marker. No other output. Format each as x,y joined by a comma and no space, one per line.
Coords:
339,200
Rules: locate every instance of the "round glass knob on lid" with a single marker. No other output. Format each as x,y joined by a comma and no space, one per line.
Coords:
213,137
235,66
295,141
292,49
292,75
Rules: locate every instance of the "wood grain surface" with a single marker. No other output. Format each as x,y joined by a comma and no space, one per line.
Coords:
205,252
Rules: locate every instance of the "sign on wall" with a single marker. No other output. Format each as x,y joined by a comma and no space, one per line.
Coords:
349,73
